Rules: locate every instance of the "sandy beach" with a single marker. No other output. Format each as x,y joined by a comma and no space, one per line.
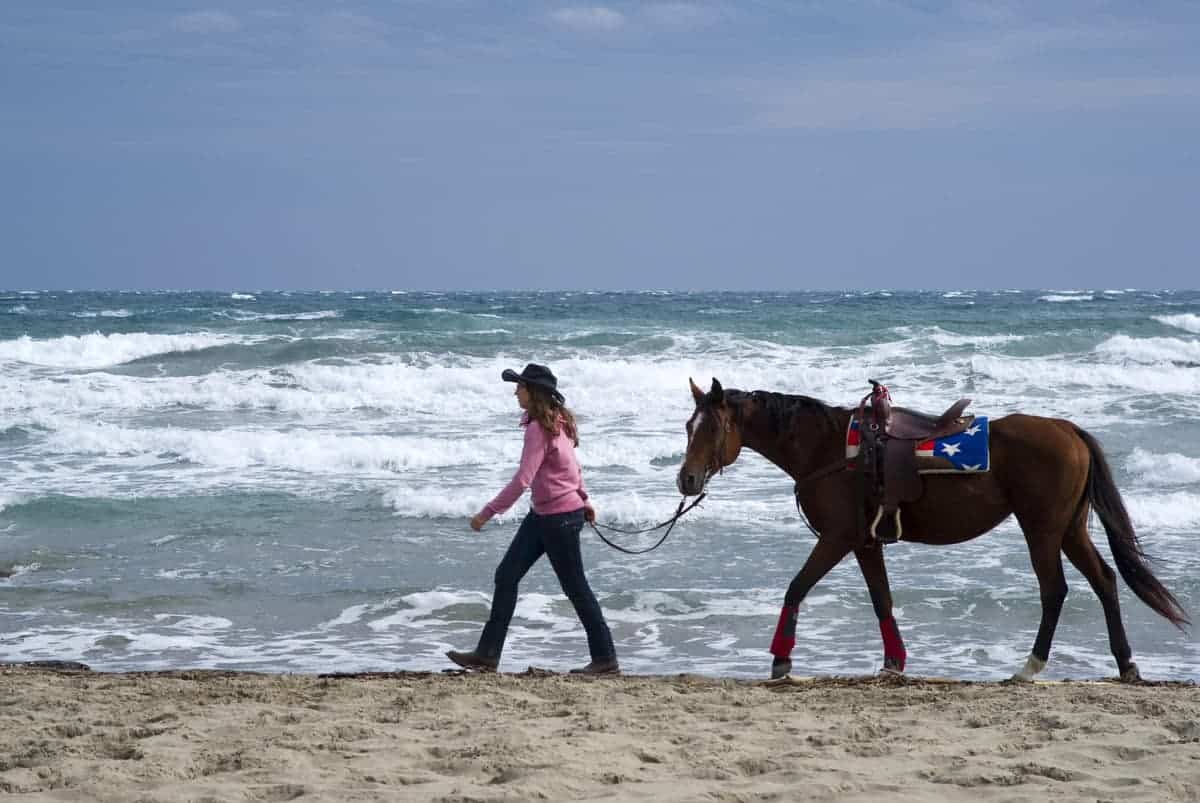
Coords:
222,736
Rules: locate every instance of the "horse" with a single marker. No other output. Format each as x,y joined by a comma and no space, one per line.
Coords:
1047,472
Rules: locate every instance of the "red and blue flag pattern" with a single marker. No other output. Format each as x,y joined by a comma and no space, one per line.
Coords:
966,451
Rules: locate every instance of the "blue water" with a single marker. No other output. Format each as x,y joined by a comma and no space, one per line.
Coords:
282,481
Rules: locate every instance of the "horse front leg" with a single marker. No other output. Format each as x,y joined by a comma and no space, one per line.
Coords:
874,571
825,555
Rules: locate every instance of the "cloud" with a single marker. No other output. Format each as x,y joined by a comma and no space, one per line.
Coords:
924,103
681,15
865,104
943,78
347,28
206,22
592,18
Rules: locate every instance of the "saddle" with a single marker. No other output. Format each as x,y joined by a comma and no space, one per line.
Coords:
887,463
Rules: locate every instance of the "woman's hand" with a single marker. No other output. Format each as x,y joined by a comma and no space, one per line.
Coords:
589,514
477,522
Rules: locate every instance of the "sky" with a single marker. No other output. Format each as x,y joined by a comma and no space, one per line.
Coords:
476,144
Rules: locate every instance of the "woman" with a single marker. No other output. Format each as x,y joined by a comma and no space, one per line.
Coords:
560,506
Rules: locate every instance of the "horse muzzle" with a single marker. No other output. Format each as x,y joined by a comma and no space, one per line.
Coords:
691,483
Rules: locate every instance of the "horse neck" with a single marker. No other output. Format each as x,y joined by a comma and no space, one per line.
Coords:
805,443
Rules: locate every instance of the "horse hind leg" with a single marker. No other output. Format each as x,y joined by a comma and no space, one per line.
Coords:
874,571
1052,585
1083,555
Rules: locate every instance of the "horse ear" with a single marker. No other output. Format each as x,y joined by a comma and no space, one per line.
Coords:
717,393
697,393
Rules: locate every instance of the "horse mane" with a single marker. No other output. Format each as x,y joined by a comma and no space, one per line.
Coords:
781,410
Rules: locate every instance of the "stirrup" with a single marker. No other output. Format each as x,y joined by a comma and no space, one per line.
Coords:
875,523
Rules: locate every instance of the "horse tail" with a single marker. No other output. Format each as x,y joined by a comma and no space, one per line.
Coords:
1132,562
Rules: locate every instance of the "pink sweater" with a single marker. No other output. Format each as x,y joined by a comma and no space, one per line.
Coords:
548,464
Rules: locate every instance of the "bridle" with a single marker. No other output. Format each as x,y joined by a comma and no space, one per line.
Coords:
714,465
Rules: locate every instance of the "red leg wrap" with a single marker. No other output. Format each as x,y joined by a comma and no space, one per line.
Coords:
785,632
893,645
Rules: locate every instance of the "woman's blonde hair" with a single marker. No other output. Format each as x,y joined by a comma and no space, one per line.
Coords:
545,409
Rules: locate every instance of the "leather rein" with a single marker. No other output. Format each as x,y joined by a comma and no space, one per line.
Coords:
714,467
669,524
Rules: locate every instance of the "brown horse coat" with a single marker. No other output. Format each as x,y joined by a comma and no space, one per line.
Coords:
1047,472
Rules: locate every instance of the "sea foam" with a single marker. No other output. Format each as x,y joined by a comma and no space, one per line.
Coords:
99,350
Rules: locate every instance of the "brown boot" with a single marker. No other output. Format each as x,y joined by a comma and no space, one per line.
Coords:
599,666
472,660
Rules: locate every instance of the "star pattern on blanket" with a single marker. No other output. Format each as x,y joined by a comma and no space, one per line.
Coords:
963,451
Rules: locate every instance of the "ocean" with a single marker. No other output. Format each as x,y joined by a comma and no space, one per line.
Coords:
281,481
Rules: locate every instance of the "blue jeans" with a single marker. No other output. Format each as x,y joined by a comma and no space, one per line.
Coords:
557,536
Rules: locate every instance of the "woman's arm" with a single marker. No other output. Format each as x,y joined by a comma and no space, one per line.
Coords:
532,455
589,512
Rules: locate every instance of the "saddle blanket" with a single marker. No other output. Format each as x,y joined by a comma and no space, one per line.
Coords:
966,451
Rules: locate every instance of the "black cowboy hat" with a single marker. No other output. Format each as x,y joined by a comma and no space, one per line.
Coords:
535,374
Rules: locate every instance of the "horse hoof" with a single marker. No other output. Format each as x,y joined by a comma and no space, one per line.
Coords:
1033,666
1131,674
781,667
